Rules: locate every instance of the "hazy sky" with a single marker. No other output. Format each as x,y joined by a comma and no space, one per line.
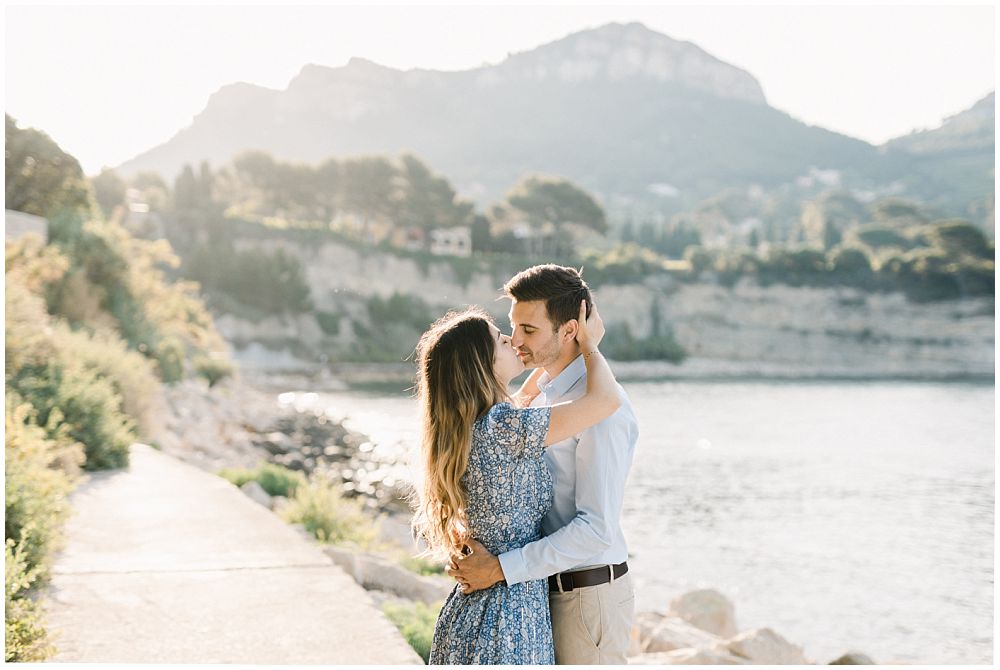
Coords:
110,82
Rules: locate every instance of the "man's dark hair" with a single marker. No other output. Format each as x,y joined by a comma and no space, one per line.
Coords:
561,288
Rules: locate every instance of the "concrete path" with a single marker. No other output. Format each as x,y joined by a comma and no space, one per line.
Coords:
165,563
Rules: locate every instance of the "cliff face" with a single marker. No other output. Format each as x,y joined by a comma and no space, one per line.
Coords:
743,330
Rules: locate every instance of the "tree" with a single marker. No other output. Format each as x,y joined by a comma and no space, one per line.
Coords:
825,219
186,190
426,199
558,201
328,184
851,265
204,189
41,178
958,237
481,238
109,190
369,186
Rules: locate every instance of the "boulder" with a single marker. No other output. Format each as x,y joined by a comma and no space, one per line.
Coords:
764,646
689,656
642,625
672,633
278,503
256,492
376,573
276,443
345,558
706,609
853,658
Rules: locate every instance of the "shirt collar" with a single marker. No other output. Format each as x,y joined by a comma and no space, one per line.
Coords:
571,374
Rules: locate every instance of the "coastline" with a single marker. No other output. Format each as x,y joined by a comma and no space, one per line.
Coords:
334,377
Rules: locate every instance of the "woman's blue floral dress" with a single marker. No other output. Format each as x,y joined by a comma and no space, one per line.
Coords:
509,491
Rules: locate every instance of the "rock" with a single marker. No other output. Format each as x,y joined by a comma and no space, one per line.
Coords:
278,503
376,573
256,492
672,633
708,610
853,658
276,443
764,646
688,656
345,558
303,531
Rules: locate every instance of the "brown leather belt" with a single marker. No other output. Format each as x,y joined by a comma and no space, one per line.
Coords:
567,581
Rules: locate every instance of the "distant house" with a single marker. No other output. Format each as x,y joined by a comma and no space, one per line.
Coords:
138,219
455,241
19,224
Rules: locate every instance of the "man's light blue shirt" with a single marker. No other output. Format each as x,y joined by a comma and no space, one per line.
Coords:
589,470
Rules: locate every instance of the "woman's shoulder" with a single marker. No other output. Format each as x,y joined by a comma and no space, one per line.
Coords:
502,411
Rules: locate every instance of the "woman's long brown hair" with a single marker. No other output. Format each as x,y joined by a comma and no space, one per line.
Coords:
456,385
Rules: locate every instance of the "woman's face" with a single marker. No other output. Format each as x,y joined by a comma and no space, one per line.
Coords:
506,364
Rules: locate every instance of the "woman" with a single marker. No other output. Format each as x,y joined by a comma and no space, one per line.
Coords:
484,476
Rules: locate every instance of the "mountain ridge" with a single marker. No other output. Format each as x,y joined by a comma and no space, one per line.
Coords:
625,111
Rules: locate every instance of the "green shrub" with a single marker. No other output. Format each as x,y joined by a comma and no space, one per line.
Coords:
213,369
321,507
169,355
416,622
108,356
39,474
329,322
25,639
420,564
621,345
84,405
277,480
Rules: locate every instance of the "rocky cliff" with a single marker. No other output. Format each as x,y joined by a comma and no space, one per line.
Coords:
746,330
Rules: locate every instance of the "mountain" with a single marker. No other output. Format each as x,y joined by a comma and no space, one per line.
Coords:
952,166
630,114
972,130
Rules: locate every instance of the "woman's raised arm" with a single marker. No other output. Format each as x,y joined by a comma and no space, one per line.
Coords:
601,399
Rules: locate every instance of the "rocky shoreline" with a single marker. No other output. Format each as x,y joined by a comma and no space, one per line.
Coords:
238,424
330,377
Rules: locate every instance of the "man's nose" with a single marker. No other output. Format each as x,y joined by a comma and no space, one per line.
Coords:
516,340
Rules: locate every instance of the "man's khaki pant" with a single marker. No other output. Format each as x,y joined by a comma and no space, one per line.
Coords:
592,625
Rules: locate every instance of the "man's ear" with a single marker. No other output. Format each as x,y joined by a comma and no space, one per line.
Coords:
572,326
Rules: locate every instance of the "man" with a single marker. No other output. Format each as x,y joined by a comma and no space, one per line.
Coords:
583,553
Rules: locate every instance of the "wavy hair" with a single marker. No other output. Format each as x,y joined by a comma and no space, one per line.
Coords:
456,385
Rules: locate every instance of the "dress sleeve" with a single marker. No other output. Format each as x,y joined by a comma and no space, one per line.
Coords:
522,431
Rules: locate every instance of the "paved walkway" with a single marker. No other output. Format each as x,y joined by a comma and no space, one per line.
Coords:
165,563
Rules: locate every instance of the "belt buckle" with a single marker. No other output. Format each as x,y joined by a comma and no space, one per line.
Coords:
611,572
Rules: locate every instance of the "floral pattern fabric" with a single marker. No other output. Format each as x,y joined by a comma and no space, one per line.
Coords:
509,490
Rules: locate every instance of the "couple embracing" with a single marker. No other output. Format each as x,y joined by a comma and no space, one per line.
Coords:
524,492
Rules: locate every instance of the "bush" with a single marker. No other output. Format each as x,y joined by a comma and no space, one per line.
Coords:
107,356
421,565
416,623
87,407
39,474
25,639
169,356
275,479
213,369
324,511
620,345
329,322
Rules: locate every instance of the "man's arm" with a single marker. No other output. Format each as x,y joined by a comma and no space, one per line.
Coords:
601,469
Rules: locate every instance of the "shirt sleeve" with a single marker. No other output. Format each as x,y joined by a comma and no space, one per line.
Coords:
522,431
602,457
